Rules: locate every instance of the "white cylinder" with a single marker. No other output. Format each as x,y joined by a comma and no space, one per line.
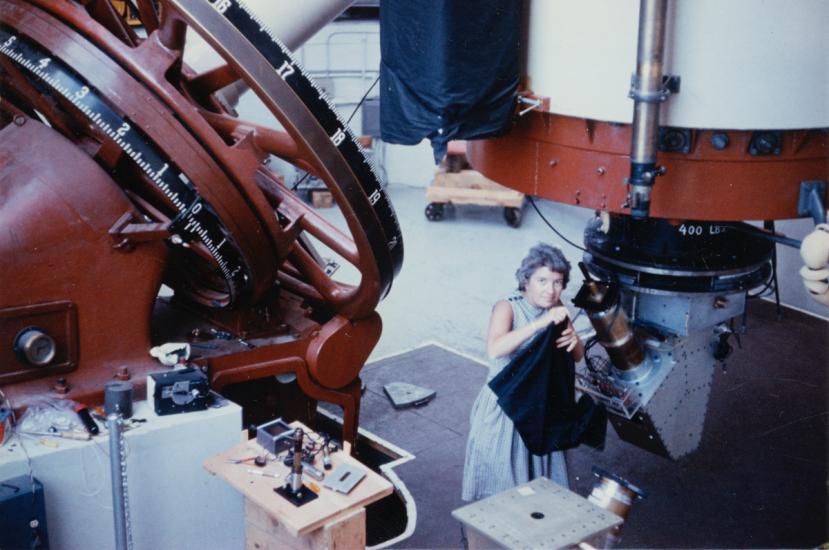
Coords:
292,22
743,64
296,22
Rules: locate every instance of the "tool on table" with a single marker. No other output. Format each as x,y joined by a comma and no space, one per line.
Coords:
247,460
88,422
326,456
65,434
295,477
344,478
259,461
312,471
261,473
293,489
308,457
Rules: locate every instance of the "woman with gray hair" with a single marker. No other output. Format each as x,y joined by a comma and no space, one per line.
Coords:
496,457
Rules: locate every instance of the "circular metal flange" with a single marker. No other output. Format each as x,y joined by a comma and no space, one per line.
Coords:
689,257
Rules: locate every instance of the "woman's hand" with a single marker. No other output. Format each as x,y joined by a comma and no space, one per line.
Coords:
570,342
502,339
568,339
554,315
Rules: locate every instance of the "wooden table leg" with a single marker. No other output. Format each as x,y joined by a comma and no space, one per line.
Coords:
263,532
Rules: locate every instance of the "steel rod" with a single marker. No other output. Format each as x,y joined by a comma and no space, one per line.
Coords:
647,91
117,463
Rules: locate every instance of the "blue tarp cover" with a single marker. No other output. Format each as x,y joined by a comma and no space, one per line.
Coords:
449,69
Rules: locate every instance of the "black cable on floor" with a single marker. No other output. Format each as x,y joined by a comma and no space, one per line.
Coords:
565,239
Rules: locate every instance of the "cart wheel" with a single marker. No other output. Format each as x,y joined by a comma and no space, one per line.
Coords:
512,216
434,211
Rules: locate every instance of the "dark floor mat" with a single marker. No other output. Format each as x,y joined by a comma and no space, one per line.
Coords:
758,478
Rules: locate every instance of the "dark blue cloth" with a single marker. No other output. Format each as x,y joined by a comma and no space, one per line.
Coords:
536,390
448,69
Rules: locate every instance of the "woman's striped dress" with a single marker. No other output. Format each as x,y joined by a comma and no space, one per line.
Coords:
496,458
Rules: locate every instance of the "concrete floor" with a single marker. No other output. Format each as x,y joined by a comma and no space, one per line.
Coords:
453,272
757,479
455,269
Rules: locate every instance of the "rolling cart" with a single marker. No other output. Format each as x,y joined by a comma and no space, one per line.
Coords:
456,183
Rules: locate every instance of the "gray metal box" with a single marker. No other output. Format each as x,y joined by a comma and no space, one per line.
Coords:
275,436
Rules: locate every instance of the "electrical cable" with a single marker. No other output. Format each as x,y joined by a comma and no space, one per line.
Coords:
88,479
589,344
565,239
770,287
362,99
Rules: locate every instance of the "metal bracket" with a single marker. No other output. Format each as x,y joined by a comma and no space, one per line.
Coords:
670,85
127,234
534,102
300,498
810,201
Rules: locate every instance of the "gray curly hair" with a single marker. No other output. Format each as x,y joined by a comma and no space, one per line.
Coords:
542,255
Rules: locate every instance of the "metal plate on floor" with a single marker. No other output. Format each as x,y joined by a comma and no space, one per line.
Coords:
539,514
403,394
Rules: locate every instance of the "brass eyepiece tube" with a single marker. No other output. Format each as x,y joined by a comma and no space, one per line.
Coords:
601,302
615,335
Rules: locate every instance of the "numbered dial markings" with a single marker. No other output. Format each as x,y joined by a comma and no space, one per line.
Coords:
272,49
195,219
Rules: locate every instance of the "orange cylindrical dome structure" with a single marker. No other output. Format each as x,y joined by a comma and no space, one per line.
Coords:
746,126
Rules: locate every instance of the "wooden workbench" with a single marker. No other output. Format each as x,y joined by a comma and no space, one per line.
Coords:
333,520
